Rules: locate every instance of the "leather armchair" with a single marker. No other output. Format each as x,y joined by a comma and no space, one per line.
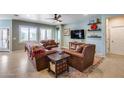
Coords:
83,60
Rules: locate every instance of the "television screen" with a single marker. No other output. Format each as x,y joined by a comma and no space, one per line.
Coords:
77,34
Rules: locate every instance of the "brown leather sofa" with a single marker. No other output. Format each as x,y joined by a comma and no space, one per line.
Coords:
37,55
49,44
83,59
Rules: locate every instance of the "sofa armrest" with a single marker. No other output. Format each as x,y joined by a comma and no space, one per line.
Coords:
73,53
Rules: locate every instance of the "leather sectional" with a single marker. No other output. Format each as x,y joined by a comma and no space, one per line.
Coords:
80,59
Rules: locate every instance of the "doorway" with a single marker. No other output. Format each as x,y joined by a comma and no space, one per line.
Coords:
115,35
4,39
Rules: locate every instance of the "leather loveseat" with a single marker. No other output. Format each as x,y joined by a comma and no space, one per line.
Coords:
49,44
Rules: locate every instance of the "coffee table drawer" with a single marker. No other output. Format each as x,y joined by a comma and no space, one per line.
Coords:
52,66
58,63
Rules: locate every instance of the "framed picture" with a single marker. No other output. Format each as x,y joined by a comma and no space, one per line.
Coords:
66,32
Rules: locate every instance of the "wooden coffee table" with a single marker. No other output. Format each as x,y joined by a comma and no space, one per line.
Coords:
58,63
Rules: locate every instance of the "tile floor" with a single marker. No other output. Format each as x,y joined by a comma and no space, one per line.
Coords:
16,65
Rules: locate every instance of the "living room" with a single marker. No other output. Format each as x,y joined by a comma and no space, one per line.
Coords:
61,46
67,32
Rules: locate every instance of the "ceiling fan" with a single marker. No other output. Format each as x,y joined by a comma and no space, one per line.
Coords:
56,17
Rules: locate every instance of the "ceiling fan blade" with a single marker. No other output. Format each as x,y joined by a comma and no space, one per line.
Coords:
59,16
56,18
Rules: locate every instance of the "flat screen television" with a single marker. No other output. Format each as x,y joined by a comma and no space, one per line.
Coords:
77,34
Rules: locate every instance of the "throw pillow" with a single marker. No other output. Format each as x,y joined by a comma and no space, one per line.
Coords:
49,42
38,52
79,49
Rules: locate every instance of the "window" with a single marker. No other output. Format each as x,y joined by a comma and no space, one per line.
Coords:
45,34
23,34
28,34
58,35
49,34
33,34
42,34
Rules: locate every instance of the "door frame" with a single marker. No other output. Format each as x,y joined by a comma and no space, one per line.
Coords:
108,35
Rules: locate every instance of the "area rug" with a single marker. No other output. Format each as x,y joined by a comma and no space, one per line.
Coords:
73,73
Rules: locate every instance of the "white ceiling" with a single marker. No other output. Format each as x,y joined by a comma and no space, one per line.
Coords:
43,18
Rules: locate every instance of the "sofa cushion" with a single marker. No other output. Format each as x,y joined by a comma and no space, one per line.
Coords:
51,42
43,41
50,46
53,45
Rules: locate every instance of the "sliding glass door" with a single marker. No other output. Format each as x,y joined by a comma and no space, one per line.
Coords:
4,39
